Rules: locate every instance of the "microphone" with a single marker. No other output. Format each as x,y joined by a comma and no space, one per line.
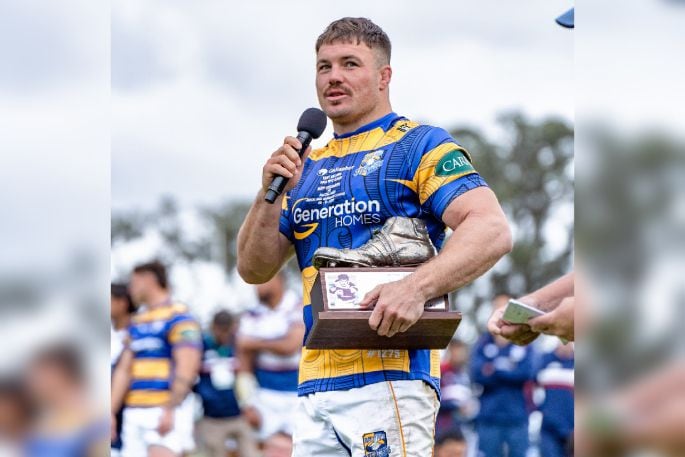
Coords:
311,125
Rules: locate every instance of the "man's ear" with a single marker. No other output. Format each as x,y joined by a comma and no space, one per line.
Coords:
386,75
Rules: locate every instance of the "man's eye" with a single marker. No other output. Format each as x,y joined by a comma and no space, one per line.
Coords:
351,64
324,67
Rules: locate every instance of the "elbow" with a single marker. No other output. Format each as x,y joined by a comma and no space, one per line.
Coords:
248,274
507,242
504,242
251,275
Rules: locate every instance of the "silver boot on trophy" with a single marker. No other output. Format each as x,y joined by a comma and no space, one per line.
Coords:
401,242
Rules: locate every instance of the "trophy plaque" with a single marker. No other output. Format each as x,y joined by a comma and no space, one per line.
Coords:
339,323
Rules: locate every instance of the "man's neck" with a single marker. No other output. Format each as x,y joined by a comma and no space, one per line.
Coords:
341,128
158,298
121,322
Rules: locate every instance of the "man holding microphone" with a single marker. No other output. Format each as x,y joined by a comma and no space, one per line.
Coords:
379,166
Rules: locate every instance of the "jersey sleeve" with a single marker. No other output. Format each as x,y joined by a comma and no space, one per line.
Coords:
284,226
184,330
444,172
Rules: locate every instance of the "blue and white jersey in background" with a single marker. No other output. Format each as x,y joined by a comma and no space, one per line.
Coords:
556,375
274,371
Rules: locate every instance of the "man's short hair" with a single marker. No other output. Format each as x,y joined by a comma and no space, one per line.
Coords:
156,268
223,319
356,30
120,290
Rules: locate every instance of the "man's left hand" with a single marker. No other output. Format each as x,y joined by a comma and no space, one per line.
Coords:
398,305
558,322
166,421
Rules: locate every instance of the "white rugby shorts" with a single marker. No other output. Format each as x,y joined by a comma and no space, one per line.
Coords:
385,419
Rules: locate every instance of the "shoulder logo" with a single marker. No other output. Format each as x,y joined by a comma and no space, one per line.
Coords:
376,444
370,163
403,127
453,163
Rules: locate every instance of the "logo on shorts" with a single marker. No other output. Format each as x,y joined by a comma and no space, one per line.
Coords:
376,444
370,163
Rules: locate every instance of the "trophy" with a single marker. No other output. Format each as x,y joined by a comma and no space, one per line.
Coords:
346,275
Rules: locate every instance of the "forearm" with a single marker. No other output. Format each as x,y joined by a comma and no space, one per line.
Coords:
245,358
120,384
187,366
550,296
474,247
261,251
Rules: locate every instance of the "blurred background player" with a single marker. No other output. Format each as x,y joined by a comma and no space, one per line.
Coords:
222,417
15,416
458,405
450,443
269,342
65,424
502,370
121,309
555,375
157,369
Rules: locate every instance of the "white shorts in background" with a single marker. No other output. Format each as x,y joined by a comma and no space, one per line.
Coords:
385,419
139,431
277,411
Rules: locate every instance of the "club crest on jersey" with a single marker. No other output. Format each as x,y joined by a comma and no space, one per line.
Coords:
370,163
376,444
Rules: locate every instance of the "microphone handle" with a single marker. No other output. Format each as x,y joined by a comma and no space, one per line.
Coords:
279,182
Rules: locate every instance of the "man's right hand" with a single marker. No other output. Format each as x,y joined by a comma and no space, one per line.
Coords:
285,162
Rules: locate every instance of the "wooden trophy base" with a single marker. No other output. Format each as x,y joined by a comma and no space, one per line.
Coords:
340,324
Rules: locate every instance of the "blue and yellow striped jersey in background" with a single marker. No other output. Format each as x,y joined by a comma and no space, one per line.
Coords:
153,335
349,188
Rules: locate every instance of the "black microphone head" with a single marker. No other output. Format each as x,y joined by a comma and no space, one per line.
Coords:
312,121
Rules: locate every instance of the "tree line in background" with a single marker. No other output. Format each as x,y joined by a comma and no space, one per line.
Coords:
530,170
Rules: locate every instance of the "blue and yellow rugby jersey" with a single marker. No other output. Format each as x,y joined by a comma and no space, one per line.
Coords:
390,167
153,335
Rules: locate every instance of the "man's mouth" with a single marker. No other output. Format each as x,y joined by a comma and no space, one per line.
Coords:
334,95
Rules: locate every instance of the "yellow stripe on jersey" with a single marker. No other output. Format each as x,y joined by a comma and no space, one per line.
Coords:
397,132
426,181
159,314
373,139
145,398
186,331
308,278
435,363
144,369
329,363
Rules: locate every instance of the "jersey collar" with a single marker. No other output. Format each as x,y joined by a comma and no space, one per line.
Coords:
384,122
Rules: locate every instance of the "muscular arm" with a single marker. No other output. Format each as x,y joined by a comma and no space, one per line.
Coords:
262,248
481,237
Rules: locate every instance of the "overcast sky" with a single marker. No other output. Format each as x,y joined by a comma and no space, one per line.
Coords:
202,93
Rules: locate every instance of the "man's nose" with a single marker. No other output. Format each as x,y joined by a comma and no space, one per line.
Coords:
335,76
